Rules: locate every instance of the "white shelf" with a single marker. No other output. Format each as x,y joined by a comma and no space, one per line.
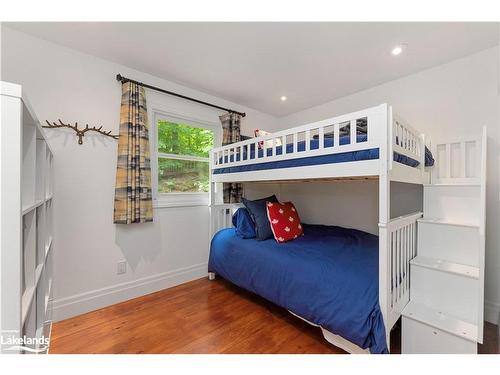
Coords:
27,269
446,222
30,207
439,320
441,265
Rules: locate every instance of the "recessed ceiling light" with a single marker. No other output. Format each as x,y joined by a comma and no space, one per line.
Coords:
398,49
283,98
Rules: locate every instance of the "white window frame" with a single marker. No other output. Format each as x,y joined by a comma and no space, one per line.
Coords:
186,199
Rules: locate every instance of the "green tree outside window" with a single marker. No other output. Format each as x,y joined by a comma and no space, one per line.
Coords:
187,168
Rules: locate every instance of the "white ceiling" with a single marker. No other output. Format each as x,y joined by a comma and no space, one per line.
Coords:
254,64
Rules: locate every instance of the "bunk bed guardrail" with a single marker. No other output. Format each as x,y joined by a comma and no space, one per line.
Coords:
357,131
221,216
407,141
458,160
400,237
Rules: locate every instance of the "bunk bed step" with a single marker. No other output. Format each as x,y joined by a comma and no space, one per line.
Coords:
432,331
453,203
438,319
448,241
442,265
437,287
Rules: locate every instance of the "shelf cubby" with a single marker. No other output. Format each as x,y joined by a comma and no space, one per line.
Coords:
49,291
29,249
28,164
40,300
48,222
49,175
41,234
40,171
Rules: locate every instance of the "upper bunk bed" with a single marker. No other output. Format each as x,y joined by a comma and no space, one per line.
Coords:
362,144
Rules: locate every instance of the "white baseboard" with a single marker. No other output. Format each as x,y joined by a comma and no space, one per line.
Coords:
492,312
68,307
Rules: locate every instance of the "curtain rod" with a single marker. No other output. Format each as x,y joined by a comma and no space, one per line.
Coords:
122,79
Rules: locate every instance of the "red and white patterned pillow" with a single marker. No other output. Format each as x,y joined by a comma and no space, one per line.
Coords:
284,220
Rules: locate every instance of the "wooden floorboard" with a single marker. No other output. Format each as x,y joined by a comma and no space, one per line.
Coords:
201,317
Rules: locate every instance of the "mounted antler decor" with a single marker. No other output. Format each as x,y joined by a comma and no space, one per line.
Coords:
79,132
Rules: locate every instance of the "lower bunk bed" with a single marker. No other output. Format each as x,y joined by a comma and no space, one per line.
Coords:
328,277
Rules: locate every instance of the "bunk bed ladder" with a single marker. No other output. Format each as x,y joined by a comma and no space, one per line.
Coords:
445,312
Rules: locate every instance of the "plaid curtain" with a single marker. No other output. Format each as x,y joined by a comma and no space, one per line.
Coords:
133,197
231,134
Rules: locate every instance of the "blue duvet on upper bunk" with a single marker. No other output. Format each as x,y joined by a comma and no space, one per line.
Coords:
366,154
329,277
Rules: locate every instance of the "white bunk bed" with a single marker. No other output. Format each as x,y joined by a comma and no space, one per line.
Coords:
385,132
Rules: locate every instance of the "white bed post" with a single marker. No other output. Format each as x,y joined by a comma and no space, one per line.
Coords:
422,156
211,192
385,119
211,204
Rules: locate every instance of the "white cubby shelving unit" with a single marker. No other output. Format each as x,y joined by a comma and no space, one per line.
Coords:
26,225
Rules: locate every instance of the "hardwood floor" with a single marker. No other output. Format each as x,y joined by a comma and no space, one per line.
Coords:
200,317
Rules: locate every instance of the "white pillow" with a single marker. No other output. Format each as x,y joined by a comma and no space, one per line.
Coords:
269,143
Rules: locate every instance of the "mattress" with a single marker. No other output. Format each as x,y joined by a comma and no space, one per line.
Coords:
366,154
329,277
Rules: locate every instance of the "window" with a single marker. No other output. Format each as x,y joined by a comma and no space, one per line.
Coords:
182,155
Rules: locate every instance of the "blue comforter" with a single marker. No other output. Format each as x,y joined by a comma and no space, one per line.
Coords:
329,277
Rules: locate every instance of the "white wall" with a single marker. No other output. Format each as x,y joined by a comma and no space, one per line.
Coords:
63,83
456,98
349,204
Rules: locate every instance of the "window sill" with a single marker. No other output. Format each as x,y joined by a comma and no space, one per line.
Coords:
181,200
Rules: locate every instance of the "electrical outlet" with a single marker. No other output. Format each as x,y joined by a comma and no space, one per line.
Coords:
121,267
